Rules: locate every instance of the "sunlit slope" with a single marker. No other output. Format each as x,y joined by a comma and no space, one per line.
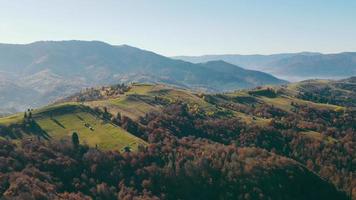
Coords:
340,92
60,121
280,97
144,98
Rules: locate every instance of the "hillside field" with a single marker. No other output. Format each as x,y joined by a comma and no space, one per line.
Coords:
60,121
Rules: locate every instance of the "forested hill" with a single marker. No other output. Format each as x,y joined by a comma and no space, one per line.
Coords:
36,74
149,141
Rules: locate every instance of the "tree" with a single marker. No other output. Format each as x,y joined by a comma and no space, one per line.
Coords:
118,116
75,139
127,149
117,120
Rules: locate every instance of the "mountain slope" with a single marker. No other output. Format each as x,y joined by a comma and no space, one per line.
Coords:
293,66
248,61
14,97
247,78
56,69
340,92
317,66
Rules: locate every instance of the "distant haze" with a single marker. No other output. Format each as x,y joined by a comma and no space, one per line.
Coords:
291,66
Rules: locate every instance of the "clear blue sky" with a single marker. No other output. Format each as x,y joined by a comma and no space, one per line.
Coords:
187,27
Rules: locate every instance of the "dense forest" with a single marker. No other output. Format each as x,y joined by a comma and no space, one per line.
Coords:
305,152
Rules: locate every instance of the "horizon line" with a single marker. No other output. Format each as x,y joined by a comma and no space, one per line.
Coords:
182,55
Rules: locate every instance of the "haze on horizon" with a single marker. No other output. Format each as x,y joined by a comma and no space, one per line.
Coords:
187,27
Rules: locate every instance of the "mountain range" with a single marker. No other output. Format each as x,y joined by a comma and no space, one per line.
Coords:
291,66
38,73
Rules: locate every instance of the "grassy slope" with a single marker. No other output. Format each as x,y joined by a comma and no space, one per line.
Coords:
12,119
318,136
334,87
135,103
60,121
70,117
138,101
284,102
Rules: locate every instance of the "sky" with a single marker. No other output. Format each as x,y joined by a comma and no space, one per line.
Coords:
187,27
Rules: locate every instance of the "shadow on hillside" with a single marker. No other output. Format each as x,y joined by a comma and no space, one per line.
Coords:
19,131
152,101
160,92
58,123
80,118
270,93
34,129
245,100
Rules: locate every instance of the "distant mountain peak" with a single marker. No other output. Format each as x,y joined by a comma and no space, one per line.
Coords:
63,42
290,66
218,62
53,68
